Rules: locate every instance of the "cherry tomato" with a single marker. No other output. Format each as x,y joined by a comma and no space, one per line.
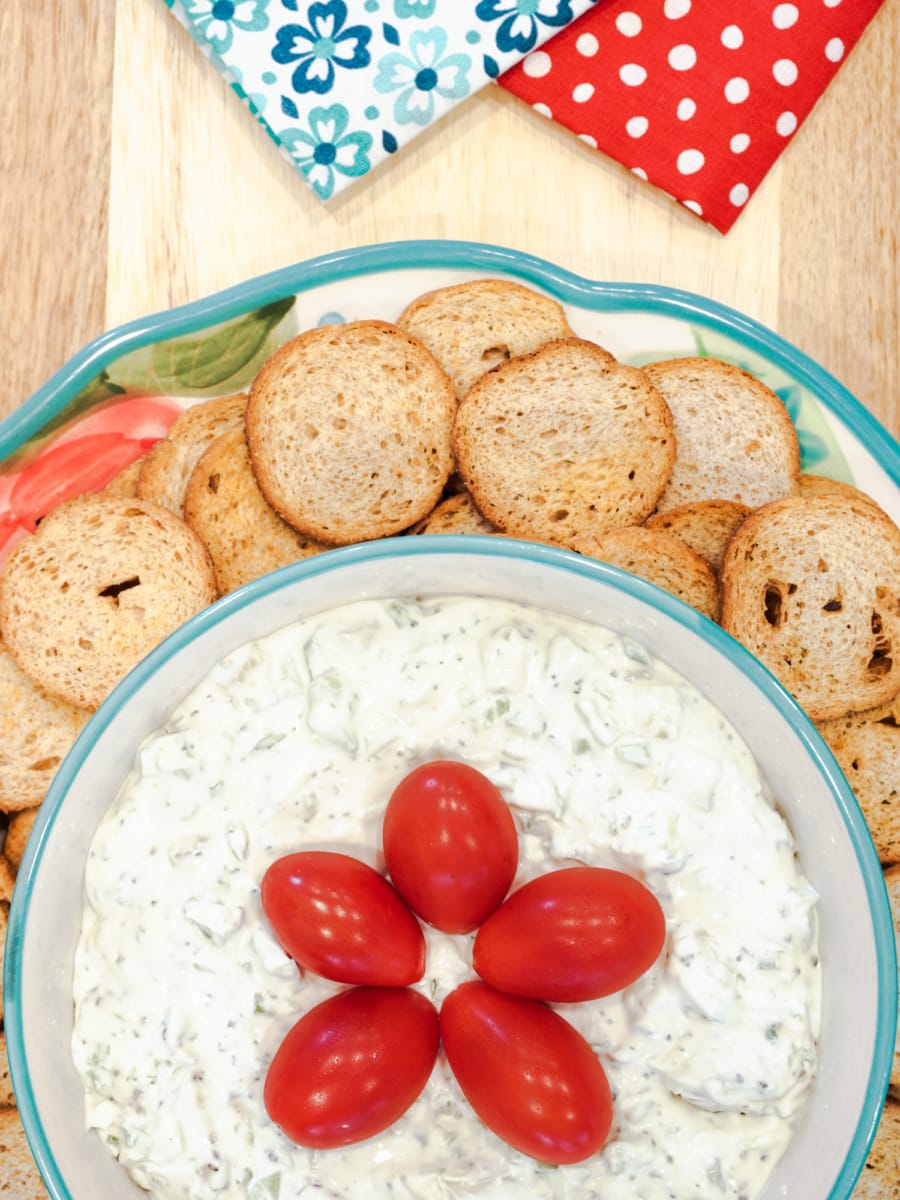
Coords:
352,1065
338,917
527,1073
573,934
450,845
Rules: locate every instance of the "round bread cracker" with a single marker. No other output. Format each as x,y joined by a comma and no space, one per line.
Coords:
245,537
471,327
563,443
348,428
101,582
19,1177
812,588
736,440
454,514
167,466
36,731
707,526
867,747
18,832
661,558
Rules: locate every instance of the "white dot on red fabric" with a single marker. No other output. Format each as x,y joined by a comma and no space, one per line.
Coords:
732,37
537,65
632,74
683,57
737,90
834,50
639,171
686,109
832,3
676,8
637,126
588,139
693,206
544,109
785,15
582,92
740,142
785,72
587,45
739,195
689,162
629,24
786,124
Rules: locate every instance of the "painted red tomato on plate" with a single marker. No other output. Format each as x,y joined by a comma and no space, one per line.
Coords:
528,1074
450,844
337,916
573,934
352,1066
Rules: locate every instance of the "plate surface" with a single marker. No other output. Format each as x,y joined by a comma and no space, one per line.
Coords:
118,395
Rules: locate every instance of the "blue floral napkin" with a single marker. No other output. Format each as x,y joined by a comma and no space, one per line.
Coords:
340,85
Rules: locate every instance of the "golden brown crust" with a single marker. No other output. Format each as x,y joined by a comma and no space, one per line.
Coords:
563,443
707,526
101,582
455,514
348,428
812,588
19,1176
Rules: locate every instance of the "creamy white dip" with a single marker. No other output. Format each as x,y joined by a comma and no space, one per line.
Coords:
606,756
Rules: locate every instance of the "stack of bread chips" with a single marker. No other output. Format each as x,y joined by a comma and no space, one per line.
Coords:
478,411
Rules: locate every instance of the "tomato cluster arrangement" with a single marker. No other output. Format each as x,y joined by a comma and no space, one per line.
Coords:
357,1061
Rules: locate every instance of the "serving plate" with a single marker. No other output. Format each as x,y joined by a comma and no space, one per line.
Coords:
118,395
121,393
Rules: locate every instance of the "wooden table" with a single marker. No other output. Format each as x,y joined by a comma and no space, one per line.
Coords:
132,180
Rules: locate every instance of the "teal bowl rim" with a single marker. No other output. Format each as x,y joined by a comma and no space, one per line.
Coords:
563,560
564,285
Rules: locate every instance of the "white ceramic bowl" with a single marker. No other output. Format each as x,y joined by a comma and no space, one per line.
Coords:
857,947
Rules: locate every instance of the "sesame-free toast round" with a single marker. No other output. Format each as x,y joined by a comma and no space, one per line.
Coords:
348,428
223,505
811,586
564,442
706,525
736,440
36,731
471,327
98,585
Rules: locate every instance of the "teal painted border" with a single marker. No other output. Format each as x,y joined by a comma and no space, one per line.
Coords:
567,287
758,676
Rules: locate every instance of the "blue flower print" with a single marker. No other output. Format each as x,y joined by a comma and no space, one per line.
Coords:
216,20
421,75
317,49
520,20
328,149
414,8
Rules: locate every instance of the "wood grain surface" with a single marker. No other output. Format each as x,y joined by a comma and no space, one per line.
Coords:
132,179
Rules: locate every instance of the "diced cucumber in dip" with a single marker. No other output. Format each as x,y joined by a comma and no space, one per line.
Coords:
606,756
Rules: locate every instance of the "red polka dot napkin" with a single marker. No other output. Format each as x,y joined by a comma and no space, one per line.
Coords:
697,96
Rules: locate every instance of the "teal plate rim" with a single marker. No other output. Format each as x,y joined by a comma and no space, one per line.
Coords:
759,676
564,285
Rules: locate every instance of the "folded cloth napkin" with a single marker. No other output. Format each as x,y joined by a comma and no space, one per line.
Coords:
697,96
341,86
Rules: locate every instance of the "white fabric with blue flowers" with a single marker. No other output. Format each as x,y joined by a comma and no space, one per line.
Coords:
341,84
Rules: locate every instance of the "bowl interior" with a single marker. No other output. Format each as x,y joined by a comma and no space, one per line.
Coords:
856,933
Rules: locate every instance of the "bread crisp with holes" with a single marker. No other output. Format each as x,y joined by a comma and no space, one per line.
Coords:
880,1177
454,514
18,831
707,526
244,535
36,732
19,1177
348,428
471,327
867,747
662,559
563,443
812,588
98,585
167,466
736,440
